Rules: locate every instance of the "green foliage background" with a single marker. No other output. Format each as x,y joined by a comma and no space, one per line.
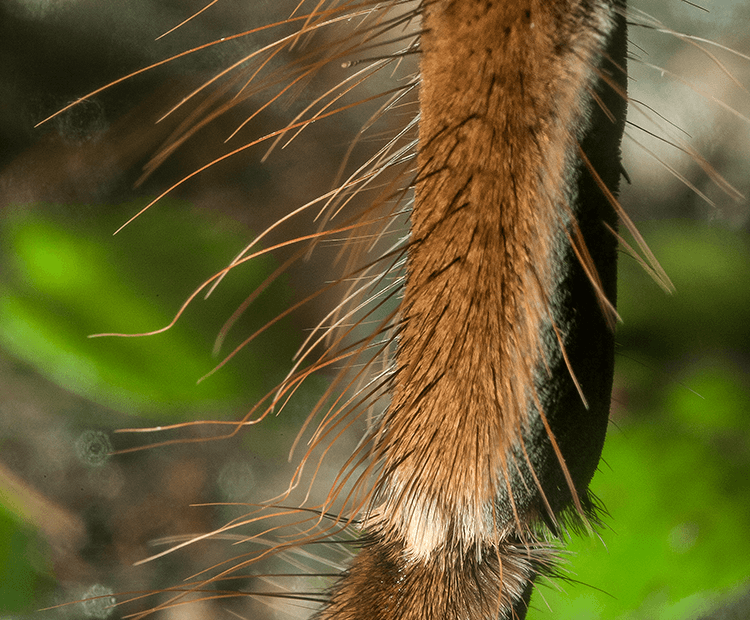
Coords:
675,475
65,277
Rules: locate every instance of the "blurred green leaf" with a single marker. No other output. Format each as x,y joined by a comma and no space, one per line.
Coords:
69,279
674,476
22,567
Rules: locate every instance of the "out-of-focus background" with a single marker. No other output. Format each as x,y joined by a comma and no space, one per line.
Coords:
675,477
